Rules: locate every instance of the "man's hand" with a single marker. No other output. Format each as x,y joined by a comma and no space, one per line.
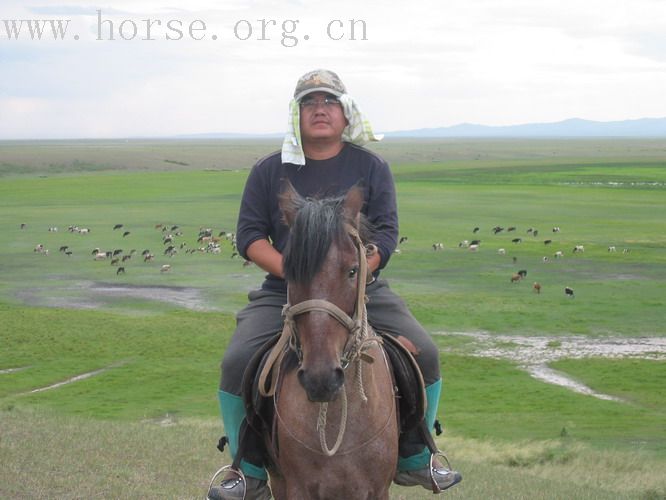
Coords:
263,254
373,261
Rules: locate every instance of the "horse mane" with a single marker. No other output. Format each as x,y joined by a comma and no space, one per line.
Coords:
317,223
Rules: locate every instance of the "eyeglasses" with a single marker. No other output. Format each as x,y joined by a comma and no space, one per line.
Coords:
327,102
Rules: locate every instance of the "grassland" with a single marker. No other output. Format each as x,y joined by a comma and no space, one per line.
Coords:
145,425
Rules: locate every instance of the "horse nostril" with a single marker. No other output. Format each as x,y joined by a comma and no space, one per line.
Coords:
339,375
301,376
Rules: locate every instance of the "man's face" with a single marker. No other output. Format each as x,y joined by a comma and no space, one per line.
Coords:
322,117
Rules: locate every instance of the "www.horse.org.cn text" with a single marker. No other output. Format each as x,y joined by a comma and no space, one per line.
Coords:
287,32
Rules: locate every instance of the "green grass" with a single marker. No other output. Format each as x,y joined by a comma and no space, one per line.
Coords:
453,289
158,364
512,436
641,382
49,455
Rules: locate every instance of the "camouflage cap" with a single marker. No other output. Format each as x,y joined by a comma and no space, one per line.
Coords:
319,80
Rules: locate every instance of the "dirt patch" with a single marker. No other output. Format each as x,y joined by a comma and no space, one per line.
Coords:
77,378
7,371
533,354
96,295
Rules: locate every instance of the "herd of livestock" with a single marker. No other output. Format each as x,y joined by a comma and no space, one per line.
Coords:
172,243
211,242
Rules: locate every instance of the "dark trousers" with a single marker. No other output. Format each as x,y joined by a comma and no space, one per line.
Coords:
261,319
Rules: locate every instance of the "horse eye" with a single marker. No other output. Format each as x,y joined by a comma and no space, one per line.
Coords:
353,271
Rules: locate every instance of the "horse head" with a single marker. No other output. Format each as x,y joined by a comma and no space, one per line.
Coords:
322,265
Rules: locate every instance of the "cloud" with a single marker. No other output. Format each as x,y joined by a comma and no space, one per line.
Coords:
425,64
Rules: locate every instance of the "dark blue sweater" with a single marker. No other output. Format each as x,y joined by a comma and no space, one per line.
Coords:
260,217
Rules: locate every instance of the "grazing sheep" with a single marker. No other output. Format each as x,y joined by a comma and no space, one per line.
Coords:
556,229
473,248
126,233
438,246
63,248
117,251
475,242
537,287
100,256
117,226
23,225
115,262
522,272
475,230
569,291
611,249
509,229
39,248
547,242
535,232
53,230
498,229
501,251
120,270
626,251
403,239
559,254
579,248
544,259
516,240
515,278
463,244
165,268
148,257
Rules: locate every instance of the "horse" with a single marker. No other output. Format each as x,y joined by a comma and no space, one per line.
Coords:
335,418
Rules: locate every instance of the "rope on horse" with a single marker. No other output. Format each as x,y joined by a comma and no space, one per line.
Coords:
321,426
354,351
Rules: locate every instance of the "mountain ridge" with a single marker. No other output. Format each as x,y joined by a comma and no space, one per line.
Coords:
569,128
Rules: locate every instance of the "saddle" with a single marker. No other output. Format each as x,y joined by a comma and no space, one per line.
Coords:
258,428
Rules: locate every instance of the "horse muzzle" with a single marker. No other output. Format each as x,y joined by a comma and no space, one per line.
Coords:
322,386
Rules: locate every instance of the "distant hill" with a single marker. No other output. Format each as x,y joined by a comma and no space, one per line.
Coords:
575,127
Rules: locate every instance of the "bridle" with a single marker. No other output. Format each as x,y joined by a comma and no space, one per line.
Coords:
358,342
357,325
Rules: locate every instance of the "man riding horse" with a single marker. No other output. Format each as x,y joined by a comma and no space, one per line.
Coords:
322,155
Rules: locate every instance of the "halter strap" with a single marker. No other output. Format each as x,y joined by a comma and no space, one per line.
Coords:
357,325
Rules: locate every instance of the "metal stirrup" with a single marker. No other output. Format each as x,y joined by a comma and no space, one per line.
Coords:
238,472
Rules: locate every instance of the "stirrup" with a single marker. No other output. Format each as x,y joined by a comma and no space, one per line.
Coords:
435,487
238,472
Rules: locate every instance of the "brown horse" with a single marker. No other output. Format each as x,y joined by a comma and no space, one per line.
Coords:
336,427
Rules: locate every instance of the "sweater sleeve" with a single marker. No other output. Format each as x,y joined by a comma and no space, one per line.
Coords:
383,211
254,213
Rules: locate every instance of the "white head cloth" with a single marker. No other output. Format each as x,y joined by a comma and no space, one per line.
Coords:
358,131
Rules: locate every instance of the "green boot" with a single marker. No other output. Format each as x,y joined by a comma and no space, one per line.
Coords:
251,482
416,470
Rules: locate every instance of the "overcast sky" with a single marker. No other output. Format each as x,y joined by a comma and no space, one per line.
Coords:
421,64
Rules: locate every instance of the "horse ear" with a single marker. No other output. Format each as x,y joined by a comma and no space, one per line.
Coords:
353,204
288,201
